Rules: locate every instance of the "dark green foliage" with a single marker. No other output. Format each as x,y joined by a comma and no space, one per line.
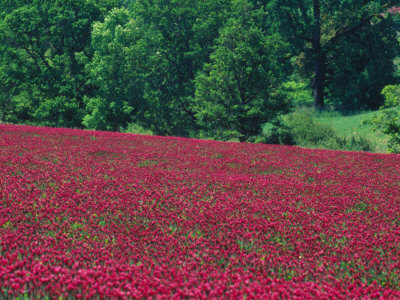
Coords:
42,80
145,63
185,30
171,23
280,133
211,68
59,111
235,93
345,48
121,51
361,66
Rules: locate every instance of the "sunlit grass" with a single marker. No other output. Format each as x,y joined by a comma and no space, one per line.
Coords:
354,125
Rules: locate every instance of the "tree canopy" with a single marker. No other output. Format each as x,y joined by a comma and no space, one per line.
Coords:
337,42
219,68
235,93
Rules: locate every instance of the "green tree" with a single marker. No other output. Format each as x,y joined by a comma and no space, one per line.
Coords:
145,61
235,93
389,118
361,67
124,65
318,31
186,31
42,81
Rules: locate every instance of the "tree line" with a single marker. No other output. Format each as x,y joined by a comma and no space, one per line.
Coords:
215,68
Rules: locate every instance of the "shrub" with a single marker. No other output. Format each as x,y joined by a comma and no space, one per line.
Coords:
299,128
305,130
351,143
389,118
280,133
137,129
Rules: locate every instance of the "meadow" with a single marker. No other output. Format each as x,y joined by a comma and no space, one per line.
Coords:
91,214
355,124
331,130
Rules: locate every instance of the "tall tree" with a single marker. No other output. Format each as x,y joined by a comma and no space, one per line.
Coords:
234,94
145,61
361,66
123,70
187,30
316,27
42,78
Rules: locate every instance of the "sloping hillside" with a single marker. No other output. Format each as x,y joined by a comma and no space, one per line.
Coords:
85,213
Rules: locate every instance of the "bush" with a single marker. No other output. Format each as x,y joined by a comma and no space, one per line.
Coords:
59,112
305,130
389,118
280,133
137,129
299,128
351,143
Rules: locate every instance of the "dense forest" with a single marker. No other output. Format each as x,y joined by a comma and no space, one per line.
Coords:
211,68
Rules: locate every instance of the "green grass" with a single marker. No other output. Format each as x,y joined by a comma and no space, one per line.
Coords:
347,126
353,125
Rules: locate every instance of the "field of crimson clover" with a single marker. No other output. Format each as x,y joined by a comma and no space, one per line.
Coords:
87,214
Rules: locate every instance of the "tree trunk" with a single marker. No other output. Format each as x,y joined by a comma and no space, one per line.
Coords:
318,84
